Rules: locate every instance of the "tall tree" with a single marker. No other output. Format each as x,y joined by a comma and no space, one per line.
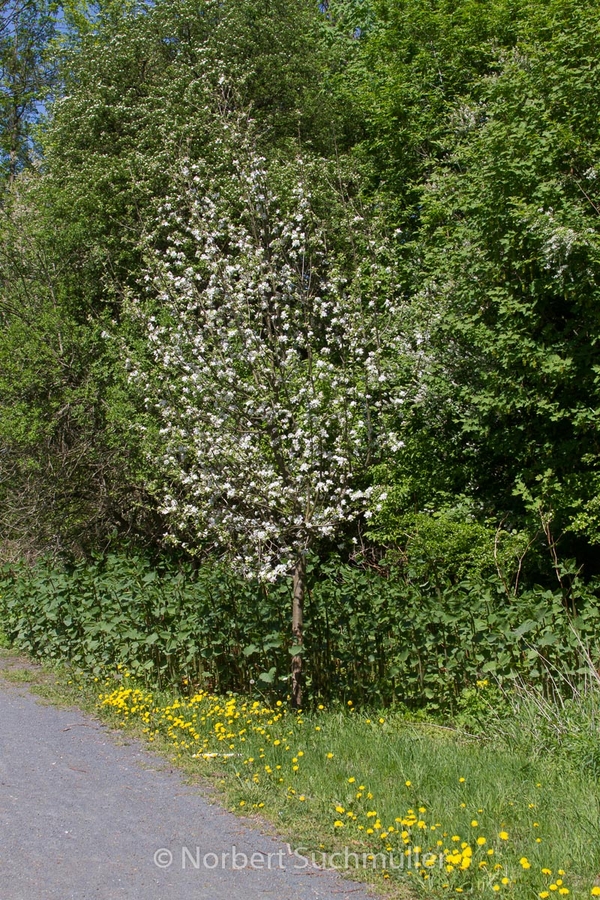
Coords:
27,27
139,86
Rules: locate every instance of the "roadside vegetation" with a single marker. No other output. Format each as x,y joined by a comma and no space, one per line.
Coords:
374,635
299,405
509,806
444,779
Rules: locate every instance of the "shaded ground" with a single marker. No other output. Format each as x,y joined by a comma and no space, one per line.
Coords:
83,817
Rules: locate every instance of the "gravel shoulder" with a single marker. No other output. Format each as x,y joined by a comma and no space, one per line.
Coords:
85,815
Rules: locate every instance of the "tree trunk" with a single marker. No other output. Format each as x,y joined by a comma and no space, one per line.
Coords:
298,589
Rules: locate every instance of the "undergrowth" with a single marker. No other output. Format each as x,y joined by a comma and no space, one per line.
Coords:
419,804
369,636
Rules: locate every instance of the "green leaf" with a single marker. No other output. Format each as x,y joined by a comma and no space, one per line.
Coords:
269,676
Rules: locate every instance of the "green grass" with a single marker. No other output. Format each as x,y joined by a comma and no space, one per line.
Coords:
336,762
20,676
511,781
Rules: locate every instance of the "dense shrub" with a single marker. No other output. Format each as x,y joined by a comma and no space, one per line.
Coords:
371,637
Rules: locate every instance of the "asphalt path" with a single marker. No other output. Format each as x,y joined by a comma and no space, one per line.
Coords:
84,816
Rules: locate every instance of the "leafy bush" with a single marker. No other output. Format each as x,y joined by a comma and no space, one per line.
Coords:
449,544
371,637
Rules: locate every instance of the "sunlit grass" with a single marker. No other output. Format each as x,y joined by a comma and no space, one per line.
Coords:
515,811
451,814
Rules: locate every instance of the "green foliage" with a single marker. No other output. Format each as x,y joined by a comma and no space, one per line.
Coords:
69,463
446,545
144,88
506,272
163,624
371,638
484,703
418,59
26,75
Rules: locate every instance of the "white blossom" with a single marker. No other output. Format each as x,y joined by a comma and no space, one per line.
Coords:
266,369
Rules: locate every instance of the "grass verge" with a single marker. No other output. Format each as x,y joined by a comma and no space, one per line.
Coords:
412,807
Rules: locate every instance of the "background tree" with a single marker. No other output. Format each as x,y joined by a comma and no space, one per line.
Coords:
482,136
67,475
26,72
512,258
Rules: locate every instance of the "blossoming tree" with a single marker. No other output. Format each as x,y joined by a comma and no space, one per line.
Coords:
265,364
